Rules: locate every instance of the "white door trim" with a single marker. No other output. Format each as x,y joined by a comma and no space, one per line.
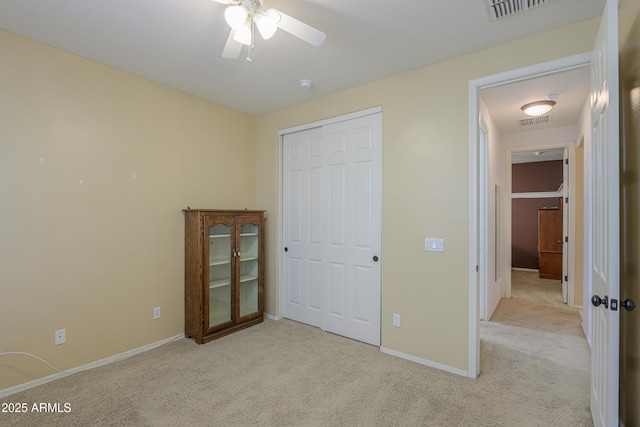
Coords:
329,121
475,86
483,218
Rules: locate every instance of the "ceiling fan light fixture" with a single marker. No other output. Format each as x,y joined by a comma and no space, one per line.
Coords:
243,34
245,16
266,25
538,108
273,14
236,16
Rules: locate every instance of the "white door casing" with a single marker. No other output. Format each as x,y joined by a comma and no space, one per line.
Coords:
332,227
483,223
554,66
605,268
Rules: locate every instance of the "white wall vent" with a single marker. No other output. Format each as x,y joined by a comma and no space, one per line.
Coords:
535,121
499,9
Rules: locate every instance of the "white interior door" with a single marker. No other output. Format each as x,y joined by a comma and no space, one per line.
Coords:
332,186
303,235
353,220
605,269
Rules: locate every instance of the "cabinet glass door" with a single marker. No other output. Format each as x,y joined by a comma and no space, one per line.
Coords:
219,274
248,295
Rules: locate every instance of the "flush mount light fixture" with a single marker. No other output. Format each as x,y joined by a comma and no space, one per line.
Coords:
538,108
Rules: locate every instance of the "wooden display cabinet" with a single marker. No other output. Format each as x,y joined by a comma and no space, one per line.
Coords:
224,272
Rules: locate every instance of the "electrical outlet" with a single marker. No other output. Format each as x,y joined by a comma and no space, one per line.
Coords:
60,337
156,312
396,320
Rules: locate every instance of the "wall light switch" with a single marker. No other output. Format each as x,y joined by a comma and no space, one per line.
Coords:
433,245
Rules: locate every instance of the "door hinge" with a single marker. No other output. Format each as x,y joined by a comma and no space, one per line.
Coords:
203,320
566,200
566,239
477,268
566,161
566,278
202,230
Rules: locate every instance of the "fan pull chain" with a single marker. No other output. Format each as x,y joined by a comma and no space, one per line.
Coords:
251,46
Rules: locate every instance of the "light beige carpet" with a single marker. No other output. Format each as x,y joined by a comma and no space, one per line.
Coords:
282,373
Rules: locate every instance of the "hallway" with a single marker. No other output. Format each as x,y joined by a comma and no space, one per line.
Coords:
536,336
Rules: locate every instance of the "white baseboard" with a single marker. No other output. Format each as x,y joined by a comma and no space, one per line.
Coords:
584,328
426,362
271,317
493,310
97,363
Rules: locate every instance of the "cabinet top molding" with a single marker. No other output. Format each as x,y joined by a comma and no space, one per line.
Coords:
224,210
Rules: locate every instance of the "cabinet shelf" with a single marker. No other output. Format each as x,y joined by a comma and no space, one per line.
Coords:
217,236
248,278
227,281
219,283
224,261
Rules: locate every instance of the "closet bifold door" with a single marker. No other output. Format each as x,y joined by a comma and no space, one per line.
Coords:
249,267
219,273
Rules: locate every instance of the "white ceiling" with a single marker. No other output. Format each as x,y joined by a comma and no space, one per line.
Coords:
178,42
504,102
541,155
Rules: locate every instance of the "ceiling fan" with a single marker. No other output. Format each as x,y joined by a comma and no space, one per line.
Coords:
244,16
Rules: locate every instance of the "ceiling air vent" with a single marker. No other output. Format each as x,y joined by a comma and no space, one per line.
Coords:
499,9
535,121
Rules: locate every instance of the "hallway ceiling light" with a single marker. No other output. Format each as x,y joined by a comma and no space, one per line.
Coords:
538,108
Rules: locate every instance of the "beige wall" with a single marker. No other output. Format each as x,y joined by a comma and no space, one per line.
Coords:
425,187
627,13
96,257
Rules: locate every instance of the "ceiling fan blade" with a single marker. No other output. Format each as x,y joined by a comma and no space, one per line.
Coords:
299,29
233,48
